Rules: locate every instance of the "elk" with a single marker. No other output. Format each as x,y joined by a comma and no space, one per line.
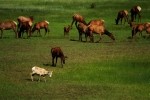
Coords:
82,28
24,27
41,25
98,30
77,18
123,14
136,10
23,19
66,30
56,52
7,25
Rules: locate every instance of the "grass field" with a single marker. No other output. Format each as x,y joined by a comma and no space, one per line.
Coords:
107,70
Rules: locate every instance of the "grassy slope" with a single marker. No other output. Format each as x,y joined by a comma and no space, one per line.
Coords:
107,71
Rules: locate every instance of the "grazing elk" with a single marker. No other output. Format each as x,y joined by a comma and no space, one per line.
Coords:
24,27
82,28
136,10
56,52
123,14
40,72
7,25
77,18
66,30
98,30
139,28
41,25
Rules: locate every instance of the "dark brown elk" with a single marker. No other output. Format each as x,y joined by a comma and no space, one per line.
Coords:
7,25
77,18
41,25
67,30
123,14
136,10
98,30
56,53
24,27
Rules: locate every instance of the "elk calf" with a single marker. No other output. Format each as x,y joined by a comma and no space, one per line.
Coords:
40,72
66,30
56,53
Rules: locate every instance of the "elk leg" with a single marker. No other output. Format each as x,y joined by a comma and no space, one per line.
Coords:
121,20
56,61
1,33
45,31
53,61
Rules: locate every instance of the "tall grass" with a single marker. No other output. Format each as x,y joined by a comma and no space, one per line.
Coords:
93,71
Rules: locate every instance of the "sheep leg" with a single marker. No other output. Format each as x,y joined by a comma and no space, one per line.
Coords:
39,78
44,78
32,76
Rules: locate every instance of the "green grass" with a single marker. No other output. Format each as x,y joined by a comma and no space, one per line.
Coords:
93,71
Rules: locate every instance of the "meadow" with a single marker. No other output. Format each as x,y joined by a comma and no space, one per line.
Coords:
107,70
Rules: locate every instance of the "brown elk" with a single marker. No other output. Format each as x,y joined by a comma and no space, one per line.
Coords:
77,18
7,25
24,27
136,10
56,52
139,28
41,25
66,30
98,30
82,28
123,14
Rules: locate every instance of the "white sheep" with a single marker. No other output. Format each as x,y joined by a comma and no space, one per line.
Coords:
40,72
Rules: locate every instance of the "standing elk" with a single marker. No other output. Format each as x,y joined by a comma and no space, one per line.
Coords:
123,14
41,25
24,27
98,30
7,25
77,18
66,30
56,52
136,10
82,28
